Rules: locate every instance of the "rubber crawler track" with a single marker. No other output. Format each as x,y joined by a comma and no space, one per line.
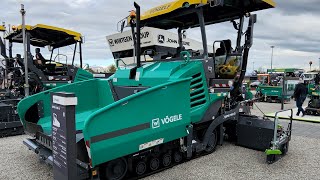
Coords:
135,177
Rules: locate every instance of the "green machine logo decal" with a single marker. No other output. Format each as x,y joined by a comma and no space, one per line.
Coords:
156,123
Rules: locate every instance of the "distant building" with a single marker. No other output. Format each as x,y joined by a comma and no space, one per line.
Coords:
287,71
99,69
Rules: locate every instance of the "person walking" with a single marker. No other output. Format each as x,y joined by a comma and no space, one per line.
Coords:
317,81
300,95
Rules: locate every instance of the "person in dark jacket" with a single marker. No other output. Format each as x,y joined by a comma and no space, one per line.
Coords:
299,95
317,80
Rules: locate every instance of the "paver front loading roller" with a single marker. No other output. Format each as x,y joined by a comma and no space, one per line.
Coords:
156,114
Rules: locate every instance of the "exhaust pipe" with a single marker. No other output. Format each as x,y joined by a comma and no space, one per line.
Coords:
138,44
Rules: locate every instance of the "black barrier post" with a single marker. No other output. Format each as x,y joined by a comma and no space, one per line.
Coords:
64,136
283,91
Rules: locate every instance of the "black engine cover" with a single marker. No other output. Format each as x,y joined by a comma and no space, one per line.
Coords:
254,132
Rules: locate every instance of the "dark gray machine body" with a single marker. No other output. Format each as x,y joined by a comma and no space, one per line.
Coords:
254,132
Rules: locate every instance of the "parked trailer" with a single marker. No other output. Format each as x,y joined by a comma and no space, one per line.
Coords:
158,114
271,94
267,93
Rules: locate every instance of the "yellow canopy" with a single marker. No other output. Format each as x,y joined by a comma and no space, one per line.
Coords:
76,35
180,13
45,35
169,7
2,28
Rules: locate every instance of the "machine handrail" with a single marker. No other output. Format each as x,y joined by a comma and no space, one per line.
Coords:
117,63
183,54
276,119
60,55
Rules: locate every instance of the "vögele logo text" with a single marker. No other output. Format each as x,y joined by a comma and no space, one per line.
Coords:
166,120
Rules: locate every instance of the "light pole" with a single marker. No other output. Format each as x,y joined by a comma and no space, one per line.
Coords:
271,57
5,79
310,63
319,64
26,86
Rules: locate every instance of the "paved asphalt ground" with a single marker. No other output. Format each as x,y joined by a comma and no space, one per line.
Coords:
227,162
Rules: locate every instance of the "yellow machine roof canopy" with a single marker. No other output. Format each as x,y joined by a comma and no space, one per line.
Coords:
43,35
2,28
181,13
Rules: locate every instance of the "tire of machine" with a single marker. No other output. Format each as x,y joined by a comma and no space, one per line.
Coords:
141,167
307,112
177,157
285,148
116,169
310,112
271,158
154,163
166,159
212,143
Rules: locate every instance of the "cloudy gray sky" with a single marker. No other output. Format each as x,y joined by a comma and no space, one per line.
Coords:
293,27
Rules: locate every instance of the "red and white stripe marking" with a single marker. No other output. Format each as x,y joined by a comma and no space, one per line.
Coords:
89,152
59,79
221,85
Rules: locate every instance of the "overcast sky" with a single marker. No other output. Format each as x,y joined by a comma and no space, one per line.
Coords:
293,27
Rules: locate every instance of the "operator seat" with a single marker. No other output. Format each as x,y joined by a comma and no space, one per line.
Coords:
225,48
39,58
226,64
40,61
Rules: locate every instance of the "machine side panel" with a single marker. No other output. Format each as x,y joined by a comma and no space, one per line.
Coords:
126,127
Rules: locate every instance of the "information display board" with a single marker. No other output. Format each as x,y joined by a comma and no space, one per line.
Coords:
64,136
